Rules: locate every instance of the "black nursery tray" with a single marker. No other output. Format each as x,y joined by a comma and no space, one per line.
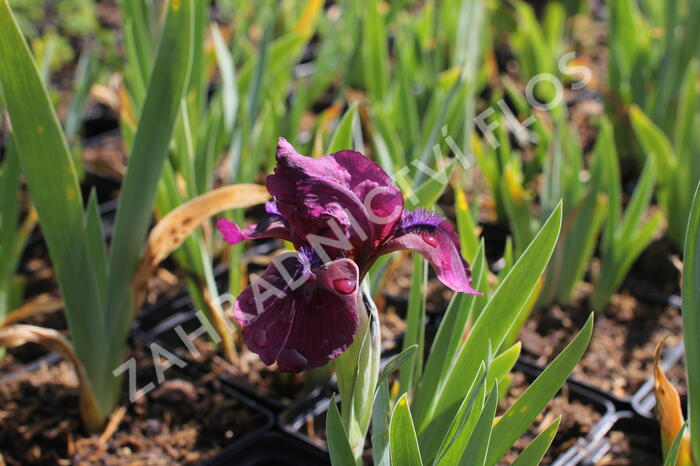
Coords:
270,449
195,371
623,438
48,359
305,420
628,434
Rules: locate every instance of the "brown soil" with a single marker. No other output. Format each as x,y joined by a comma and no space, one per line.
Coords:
182,420
577,420
620,356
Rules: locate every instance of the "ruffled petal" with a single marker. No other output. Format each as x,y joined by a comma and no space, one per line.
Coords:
344,188
436,240
305,320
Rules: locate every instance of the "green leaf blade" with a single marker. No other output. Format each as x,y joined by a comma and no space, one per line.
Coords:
534,452
402,435
157,122
55,193
338,445
490,329
691,318
521,414
478,446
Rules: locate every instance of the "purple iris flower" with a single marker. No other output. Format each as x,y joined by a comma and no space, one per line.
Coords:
341,212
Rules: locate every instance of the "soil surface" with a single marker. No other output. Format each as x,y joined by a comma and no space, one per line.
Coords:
619,358
577,419
182,421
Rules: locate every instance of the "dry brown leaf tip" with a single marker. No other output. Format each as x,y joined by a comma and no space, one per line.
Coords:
668,410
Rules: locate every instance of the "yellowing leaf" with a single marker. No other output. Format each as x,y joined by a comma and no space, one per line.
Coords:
305,25
178,224
669,412
18,335
42,304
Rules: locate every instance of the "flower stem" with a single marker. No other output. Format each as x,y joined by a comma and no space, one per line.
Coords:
357,370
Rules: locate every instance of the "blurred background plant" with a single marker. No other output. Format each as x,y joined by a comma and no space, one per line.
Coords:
52,27
653,76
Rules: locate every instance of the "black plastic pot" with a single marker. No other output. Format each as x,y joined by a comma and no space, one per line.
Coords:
618,403
270,449
645,293
640,433
99,119
296,419
301,418
589,450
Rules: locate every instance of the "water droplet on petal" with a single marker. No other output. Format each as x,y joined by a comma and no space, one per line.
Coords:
430,240
344,285
260,338
379,212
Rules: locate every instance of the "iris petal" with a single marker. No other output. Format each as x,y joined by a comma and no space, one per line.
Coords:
271,226
436,240
300,327
345,187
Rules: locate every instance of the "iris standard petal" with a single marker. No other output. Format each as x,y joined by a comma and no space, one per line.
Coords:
342,193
